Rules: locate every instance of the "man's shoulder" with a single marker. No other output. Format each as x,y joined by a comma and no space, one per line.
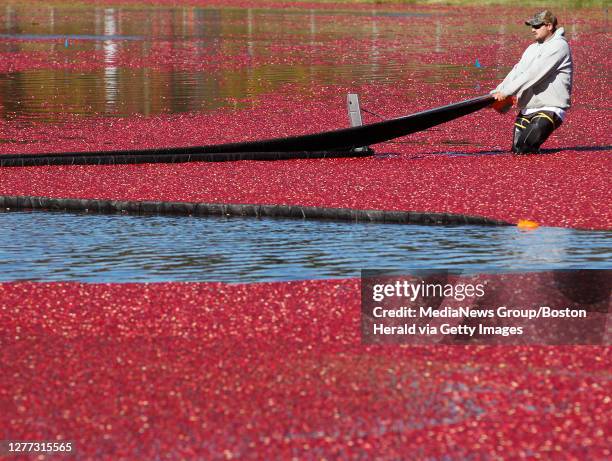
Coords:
531,48
559,40
559,43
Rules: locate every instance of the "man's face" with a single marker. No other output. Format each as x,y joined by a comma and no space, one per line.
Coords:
541,32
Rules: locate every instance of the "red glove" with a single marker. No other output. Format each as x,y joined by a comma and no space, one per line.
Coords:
504,105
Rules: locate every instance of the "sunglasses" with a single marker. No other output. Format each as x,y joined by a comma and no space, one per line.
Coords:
538,26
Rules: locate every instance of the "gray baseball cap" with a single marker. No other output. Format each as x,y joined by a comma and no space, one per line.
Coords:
545,17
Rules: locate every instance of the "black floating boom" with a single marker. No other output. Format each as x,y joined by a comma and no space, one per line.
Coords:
336,143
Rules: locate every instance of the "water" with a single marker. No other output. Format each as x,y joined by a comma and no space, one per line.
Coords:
120,61
93,60
123,61
47,246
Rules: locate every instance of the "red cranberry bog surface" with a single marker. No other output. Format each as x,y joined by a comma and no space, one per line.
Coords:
277,370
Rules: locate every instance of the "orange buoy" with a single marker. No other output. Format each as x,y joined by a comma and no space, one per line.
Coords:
527,224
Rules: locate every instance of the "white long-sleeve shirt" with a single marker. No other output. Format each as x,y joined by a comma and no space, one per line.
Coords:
543,76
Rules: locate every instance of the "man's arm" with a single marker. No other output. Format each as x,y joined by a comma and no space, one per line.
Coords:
499,93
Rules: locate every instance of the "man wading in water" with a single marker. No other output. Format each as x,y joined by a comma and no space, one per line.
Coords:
542,82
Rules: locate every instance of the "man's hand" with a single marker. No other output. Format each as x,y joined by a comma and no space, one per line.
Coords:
502,102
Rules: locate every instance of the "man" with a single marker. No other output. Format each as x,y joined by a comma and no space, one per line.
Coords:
542,83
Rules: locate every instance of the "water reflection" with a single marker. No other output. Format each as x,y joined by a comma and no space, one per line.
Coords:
92,60
122,61
110,52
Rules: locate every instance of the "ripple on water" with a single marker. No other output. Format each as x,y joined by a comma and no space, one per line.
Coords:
47,246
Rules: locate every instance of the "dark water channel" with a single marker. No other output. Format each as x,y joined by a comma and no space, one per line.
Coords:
119,248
